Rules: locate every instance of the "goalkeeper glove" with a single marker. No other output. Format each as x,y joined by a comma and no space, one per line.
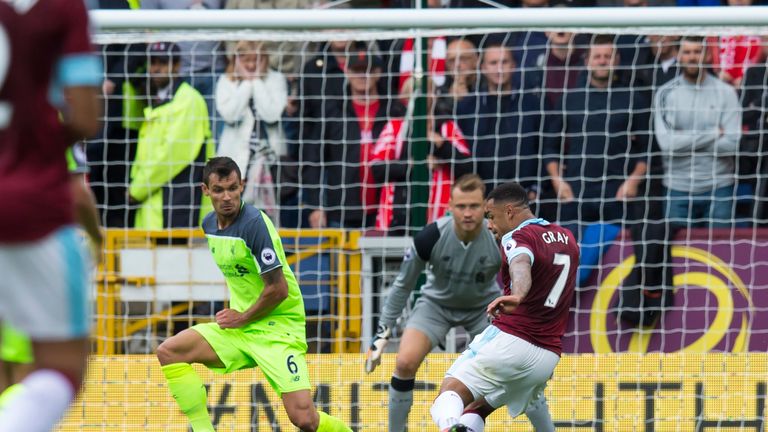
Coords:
380,340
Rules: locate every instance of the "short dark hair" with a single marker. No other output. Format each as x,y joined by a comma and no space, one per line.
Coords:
221,166
693,38
510,192
602,39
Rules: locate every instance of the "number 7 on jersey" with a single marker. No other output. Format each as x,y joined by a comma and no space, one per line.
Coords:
557,289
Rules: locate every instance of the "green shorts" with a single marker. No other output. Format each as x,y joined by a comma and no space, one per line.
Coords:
15,347
280,355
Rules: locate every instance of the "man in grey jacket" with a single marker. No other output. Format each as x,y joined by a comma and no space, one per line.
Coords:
698,127
461,257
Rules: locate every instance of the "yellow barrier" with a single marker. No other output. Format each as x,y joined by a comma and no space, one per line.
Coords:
345,273
608,392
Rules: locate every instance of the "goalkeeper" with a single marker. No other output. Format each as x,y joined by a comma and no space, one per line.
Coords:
265,325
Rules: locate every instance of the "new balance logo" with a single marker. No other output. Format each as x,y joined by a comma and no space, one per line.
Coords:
242,270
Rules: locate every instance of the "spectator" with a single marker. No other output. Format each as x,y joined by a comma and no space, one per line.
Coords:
501,124
339,181
751,163
448,147
557,69
526,46
201,61
461,63
662,65
174,143
389,165
251,99
110,153
698,127
595,155
733,54
436,48
321,87
448,144
284,56
633,49
649,289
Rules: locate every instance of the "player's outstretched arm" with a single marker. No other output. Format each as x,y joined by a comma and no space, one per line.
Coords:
275,291
399,292
414,262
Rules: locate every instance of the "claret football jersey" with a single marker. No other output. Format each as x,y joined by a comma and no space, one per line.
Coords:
542,317
43,44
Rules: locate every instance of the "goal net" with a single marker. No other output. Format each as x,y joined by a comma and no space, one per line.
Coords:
646,142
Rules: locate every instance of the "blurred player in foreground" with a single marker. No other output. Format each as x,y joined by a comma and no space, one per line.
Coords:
44,285
512,360
16,358
265,325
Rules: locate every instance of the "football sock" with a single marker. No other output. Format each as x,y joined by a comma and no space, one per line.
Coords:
538,414
43,399
331,424
9,394
188,390
473,421
400,401
447,409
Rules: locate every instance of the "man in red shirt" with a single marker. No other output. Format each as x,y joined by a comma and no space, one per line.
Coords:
49,69
347,166
512,360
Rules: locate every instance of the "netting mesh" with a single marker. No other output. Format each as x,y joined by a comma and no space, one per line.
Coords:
662,179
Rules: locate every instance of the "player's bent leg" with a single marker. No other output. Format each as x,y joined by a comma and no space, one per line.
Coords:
176,355
414,347
448,407
328,423
189,346
301,411
187,389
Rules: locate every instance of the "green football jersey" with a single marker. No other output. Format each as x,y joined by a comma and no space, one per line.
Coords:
245,250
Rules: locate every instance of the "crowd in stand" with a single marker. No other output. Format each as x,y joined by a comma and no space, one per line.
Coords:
627,129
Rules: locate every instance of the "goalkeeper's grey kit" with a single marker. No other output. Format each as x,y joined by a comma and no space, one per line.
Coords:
461,281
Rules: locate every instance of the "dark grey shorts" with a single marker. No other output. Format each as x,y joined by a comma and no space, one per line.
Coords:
435,321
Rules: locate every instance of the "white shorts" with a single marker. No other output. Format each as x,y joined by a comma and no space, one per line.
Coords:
504,369
44,286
